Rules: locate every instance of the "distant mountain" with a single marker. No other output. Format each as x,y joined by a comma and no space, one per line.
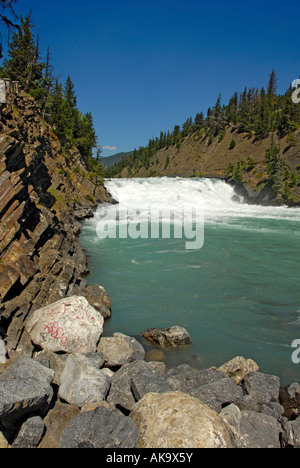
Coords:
111,160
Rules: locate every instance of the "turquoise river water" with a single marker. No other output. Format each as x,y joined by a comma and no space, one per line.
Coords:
238,295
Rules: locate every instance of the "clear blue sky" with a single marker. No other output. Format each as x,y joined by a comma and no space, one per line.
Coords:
142,66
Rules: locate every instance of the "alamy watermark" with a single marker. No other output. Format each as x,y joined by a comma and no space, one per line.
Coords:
296,353
296,93
119,222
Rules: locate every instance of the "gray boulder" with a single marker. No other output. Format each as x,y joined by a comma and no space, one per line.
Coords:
219,394
120,350
25,389
30,434
148,382
231,415
187,380
100,429
81,383
210,386
259,431
120,393
259,389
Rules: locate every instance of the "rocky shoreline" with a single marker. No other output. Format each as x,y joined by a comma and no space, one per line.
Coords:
101,392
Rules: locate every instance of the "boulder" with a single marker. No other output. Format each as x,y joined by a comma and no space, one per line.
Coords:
101,428
290,400
212,387
158,367
25,390
168,337
120,350
259,431
176,420
81,383
30,434
259,389
148,382
56,422
70,325
231,415
120,393
99,299
187,380
219,394
238,368
54,361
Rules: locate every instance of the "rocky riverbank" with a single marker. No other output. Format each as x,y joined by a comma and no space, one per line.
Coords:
102,393
45,193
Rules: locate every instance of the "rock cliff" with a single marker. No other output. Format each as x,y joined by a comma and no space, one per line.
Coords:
45,191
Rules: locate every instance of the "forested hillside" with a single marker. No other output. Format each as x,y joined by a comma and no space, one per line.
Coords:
254,139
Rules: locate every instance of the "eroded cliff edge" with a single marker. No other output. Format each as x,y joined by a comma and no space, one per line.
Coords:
45,191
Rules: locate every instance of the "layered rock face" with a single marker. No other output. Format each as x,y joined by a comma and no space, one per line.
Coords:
45,191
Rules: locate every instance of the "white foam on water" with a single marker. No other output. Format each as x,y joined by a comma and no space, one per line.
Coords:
217,198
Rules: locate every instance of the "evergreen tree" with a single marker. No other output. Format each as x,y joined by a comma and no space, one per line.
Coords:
199,121
262,124
274,165
272,85
245,118
57,118
70,111
23,63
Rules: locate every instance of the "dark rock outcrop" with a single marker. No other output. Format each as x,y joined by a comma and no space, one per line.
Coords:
45,192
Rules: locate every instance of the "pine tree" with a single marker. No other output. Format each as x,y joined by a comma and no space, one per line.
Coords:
262,123
245,118
57,119
274,165
272,85
23,63
70,111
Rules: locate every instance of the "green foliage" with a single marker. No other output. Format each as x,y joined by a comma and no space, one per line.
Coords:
57,102
167,162
237,174
232,144
23,63
275,167
255,111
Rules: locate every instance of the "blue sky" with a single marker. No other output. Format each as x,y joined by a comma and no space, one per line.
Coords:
143,66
